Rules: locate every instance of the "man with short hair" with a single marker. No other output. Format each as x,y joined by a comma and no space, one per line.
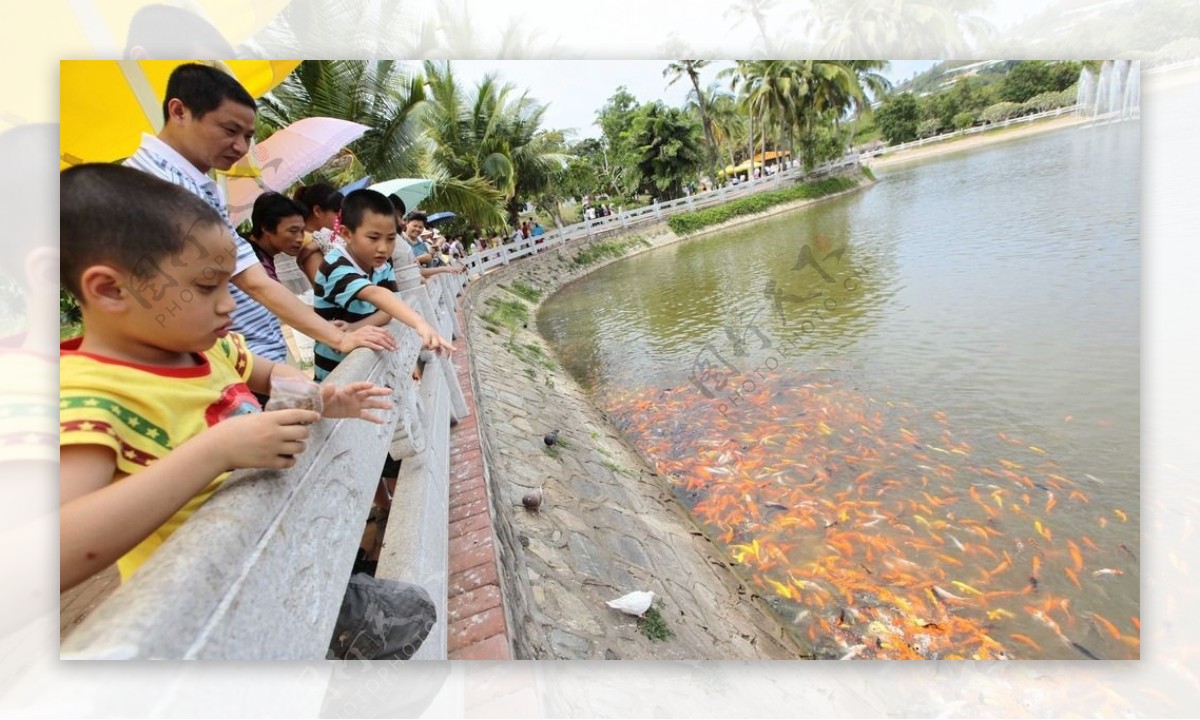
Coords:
208,122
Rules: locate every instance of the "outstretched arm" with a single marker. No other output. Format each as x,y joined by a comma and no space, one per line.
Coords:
255,282
387,301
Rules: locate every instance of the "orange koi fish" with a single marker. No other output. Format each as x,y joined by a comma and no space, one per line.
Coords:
1026,641
1074,578
1076,555
1107,626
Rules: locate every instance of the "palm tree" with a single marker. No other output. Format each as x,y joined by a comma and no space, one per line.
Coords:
746,76
376,94
692,68
494,134
728,122
667,146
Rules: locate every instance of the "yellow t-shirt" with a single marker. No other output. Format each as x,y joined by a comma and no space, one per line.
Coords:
142,412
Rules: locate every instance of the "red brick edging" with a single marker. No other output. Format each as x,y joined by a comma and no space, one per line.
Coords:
477,628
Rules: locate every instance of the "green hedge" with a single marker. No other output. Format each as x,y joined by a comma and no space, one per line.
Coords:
690,222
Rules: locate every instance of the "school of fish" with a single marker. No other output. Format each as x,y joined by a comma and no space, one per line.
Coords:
875,532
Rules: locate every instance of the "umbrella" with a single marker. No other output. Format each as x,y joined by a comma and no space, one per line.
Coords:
106,105
284,158
440,217
411,191
356,185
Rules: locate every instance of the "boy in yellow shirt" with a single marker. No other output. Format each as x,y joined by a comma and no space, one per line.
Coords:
156,401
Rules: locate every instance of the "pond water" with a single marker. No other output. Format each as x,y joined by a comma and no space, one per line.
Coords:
909,415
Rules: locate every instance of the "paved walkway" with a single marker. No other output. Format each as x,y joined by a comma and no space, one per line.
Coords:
478,629
608,524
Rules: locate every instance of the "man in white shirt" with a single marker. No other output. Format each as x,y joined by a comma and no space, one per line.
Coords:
208,122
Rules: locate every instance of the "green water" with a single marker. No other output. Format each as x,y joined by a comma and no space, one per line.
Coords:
998,287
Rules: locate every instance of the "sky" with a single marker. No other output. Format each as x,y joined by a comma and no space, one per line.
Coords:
575,89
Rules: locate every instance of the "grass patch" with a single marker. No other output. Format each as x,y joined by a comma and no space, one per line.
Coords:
530,353
525,292
512,314
600,251
552,451
690,222
653,626
866,171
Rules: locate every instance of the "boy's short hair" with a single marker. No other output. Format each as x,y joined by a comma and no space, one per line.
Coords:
202,89
270,209
360,202
126,218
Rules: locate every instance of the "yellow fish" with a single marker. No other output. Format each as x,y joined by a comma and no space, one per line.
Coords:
965,587
1037,450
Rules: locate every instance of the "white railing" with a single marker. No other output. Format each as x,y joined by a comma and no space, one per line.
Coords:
887,149
260,570
481,261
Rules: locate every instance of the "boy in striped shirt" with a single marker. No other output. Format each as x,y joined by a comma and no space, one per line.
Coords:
356,283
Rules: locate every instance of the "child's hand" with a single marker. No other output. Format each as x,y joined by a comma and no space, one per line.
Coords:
375,338
261,440
353,401
430,339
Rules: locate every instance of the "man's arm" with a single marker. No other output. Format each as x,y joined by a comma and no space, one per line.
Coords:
255,282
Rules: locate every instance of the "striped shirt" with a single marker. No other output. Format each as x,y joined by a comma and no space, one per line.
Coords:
253,321
335,297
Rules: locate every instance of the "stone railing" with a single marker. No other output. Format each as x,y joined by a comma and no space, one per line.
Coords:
481,261
260,570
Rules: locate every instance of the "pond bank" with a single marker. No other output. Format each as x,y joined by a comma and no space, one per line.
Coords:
608,523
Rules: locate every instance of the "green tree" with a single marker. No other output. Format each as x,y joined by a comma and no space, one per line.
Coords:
668,146
898,118
392,104
491,133
691,68
618,157
1034,77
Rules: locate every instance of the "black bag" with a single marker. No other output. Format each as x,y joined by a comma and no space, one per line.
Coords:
381,620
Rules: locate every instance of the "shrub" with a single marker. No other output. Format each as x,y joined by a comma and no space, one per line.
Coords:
690,222
963,120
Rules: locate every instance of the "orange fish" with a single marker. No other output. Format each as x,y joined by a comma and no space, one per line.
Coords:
1037,564
1076,556
1074,578
1050,503
1026,641
1103,622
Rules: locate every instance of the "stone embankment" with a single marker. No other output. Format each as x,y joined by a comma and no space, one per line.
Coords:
608,524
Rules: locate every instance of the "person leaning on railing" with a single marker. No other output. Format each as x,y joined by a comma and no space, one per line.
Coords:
412,229
156,397
208,122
